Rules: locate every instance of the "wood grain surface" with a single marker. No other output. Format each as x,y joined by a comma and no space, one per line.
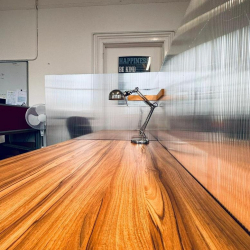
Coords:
222,167
124,135
88,194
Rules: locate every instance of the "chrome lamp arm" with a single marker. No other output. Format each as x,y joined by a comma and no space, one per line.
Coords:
143,139
117,95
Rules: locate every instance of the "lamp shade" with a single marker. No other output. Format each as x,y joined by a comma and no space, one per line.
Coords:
116,94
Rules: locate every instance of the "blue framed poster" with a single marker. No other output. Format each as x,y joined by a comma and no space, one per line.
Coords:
134,64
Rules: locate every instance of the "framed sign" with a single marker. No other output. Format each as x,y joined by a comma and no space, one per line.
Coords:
134,64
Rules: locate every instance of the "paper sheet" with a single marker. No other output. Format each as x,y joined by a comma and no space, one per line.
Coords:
21,97
11,97
18,97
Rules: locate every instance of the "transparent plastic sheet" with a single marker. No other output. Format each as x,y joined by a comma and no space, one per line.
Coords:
205,118
78,105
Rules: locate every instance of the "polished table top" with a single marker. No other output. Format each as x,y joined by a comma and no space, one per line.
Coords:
107,194
119,135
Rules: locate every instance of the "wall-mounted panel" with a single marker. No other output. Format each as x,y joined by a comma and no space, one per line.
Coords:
18,38
13,76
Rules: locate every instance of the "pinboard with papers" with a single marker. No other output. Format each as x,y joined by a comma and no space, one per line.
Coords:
14,82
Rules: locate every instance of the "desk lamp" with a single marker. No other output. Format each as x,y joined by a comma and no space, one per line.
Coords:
118,95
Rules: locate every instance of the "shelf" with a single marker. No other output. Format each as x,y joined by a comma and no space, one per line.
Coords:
149,97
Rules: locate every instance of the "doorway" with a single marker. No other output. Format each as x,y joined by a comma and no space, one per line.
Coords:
107,47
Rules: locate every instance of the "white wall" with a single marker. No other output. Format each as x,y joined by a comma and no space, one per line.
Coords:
18,34
65,36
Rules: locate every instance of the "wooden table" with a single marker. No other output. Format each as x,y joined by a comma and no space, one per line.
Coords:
119,135
221,166
107,194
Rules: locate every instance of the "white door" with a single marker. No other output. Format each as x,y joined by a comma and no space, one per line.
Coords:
111,56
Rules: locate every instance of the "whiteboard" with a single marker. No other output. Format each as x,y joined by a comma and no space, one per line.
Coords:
13,76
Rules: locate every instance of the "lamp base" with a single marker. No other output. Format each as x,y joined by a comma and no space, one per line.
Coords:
139,140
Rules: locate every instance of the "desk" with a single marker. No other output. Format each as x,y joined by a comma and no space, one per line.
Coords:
122,135
13,122
13,118
106,194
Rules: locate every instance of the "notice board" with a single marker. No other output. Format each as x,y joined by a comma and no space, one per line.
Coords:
13,76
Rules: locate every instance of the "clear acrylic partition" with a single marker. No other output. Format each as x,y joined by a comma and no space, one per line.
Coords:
79,105
205,117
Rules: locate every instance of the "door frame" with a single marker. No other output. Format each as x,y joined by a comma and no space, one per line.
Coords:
101,41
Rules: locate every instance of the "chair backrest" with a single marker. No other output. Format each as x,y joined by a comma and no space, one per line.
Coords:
78,126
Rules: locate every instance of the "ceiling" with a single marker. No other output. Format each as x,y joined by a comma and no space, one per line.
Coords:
42,4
